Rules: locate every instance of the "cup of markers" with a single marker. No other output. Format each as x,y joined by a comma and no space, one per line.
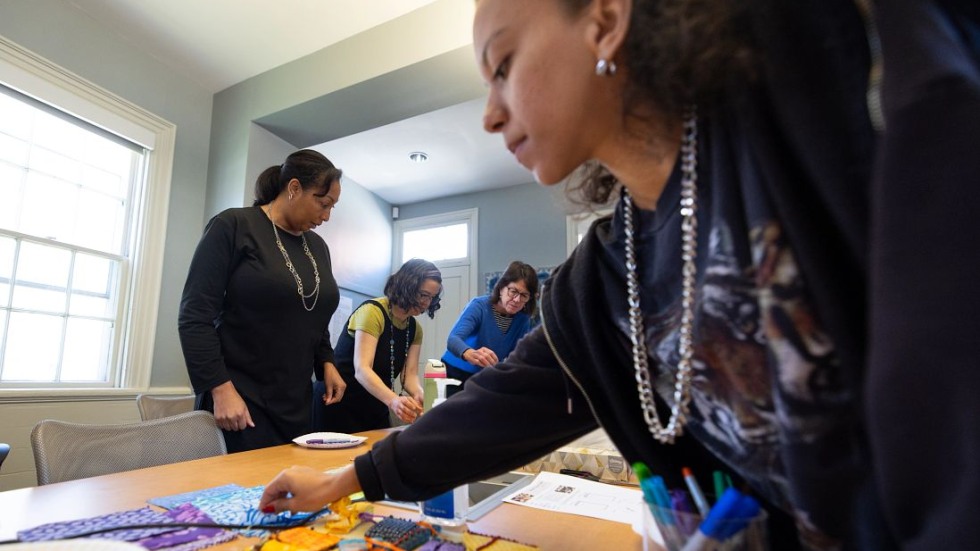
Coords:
687,520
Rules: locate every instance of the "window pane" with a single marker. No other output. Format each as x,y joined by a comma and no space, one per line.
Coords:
56,134
11,187
32,348
3,336
65,183
49,207
93,286
434,244
99,224
13,150
105,181
87,345
41,281
50,163
14,118
7,246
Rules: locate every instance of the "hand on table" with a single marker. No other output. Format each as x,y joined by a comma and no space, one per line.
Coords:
302,489
481,357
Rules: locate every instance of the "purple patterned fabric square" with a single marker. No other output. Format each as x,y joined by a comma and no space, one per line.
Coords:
73,528
183,514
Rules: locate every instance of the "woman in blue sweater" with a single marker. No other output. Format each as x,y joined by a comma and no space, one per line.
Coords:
490,326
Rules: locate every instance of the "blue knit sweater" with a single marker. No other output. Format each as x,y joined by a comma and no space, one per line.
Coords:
476,328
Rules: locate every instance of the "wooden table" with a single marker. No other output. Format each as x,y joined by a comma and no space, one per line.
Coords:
28,507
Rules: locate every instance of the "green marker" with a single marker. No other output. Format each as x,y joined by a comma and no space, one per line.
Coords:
722,482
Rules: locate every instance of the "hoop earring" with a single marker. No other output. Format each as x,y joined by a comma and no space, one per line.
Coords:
605,67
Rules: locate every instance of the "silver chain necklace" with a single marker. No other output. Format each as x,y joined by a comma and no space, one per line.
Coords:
315,294
689,244
391,345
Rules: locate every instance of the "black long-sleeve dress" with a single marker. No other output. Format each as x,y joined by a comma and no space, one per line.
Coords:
242,320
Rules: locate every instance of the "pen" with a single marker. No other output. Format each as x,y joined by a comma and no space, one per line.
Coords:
730,515
646,484
658,499
692,485
687,521
579,474
330,441
663,498
720,485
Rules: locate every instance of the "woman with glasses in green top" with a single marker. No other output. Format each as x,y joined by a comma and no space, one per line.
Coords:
381,345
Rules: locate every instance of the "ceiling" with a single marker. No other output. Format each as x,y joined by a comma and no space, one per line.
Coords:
219,43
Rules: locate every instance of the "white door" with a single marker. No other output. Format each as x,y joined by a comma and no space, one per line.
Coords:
435,331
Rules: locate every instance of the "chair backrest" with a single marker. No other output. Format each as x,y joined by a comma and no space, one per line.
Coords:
156,407
68,451
4,450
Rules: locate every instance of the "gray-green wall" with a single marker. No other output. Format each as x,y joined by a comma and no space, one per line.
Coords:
224,140
385,74
524,222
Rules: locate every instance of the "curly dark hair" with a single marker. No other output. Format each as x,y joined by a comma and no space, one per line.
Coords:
402,287
676,53
519,271
310,167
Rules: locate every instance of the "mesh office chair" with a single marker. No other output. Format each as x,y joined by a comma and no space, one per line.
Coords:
4,450
68,451
156,407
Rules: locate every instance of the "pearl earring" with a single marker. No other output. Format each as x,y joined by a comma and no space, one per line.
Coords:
605,67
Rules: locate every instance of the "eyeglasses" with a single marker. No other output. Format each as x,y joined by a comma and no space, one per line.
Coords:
514,292
425,297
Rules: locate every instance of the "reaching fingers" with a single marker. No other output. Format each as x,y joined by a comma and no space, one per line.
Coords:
406,408
483,357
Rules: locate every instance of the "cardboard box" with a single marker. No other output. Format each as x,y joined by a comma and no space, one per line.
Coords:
606,464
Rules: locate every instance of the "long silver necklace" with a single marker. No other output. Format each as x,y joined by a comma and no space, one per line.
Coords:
689,245
315,294
391,346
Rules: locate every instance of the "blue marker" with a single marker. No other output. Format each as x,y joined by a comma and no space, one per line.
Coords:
730,515
658,498
646,482
663,498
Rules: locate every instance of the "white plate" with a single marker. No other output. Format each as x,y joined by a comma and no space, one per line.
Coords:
329,440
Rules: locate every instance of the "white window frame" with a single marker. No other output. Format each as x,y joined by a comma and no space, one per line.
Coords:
470,217
34,76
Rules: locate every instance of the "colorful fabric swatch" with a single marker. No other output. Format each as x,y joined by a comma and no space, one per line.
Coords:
207,542
304,538
73,528
183,514
169,502
241,508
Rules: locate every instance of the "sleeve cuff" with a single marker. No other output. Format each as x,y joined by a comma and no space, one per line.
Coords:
368,477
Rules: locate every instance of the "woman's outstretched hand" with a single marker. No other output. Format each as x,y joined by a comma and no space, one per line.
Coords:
302,489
